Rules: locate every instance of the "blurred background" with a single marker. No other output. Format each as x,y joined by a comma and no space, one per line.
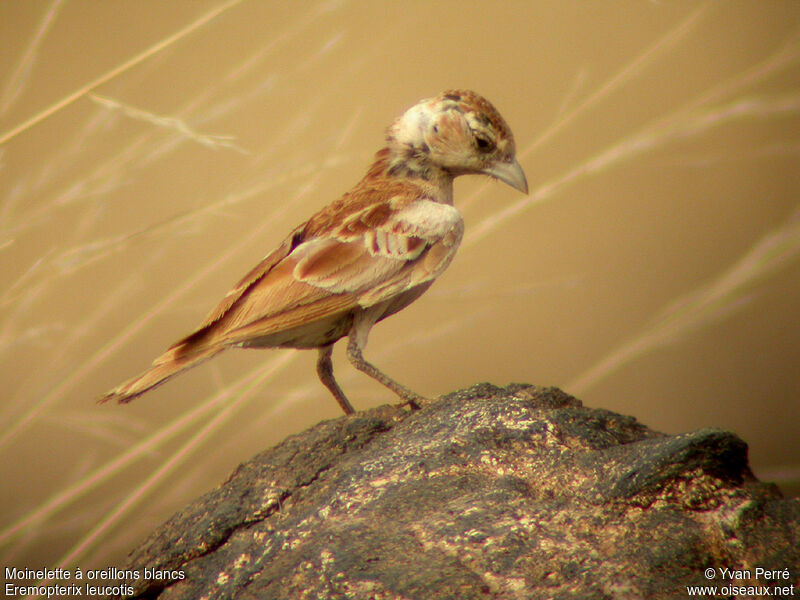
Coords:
152,152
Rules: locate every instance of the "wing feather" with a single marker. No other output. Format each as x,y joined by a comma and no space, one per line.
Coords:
413,246
252,278
381,250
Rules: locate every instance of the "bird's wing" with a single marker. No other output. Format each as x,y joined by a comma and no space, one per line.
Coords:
413,245
372,254
253,277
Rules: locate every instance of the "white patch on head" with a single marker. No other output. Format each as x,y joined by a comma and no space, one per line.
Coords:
412,126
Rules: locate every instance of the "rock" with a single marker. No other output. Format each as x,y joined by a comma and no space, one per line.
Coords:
516,492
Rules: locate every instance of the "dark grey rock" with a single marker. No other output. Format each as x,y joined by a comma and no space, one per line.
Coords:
516,492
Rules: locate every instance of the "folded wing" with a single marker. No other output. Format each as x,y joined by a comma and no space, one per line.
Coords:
357,264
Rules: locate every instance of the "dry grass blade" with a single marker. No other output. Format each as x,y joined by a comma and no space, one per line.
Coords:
689,119
144,55
13,292
68,496
707,304
171,123
649,138
250,384
16,83
77,332
91,363
622,76
145,447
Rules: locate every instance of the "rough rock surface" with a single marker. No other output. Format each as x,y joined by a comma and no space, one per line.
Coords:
516,492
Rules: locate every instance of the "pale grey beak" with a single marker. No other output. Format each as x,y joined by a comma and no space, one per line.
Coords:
510,173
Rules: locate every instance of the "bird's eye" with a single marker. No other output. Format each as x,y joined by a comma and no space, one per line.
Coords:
484,144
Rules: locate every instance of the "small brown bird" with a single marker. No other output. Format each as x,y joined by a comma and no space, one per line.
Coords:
363,257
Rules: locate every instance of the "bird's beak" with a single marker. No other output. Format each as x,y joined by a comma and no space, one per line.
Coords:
510,173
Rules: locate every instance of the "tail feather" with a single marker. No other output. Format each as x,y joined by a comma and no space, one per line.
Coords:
175,360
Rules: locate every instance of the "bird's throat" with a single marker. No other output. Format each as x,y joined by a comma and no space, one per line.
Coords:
403,162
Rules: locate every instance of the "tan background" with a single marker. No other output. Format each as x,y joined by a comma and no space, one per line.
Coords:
661,142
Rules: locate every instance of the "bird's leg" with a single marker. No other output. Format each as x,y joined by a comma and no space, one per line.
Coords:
356,341
325,372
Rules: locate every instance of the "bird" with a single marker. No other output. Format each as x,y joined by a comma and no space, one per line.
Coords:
363,257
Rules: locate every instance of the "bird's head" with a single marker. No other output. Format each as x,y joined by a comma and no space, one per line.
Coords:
460,133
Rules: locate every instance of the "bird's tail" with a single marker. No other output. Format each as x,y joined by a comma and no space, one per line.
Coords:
176,359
